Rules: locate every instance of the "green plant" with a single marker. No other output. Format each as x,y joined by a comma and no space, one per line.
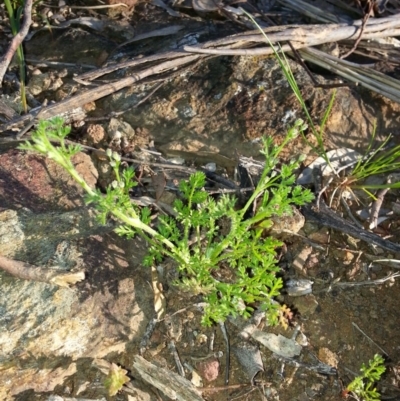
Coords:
14,10
379,163
115,379
381,160
232,270
361,388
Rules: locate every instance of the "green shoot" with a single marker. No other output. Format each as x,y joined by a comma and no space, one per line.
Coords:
383,161
233,268
288,73
362,387
380,161
14,13
116,379
238,268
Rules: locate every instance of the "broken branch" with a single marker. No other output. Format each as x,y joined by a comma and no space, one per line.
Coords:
27,271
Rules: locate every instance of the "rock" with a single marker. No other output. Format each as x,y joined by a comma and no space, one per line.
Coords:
117,129
36,183
325,355
95,135
43,82
298,287
301,259
305,305
209,370
249,357
47,330
285,225
280,345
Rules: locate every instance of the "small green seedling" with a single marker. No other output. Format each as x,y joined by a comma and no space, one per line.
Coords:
362,387
234,268
382,161
115,379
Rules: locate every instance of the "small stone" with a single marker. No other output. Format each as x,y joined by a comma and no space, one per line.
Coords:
209,370
211,167
320,236
298,287
327,356
285,225
302,339
117,128
95,134
301,258
39,83
305,305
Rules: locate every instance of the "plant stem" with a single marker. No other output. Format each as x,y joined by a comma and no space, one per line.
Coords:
137,223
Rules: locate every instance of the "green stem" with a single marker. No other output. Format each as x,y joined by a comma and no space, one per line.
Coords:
137,223
260,189
161,249
20,52
131,221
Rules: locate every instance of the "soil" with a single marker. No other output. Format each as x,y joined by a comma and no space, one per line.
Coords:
209,113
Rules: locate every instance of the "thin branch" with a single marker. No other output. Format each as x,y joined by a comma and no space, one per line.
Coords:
90,7
364,22
369,282
17,39
376,207
26,271
370,339
104,90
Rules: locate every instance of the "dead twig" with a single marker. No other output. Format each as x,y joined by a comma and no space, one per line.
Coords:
364,76
54,397
137,161
17,39
300,36
358,40
172,348
313,11
216,389
169,383
227,352
91,75
104,90
369,282
89,7
370,339
376,207
326,216
346,206
27,271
